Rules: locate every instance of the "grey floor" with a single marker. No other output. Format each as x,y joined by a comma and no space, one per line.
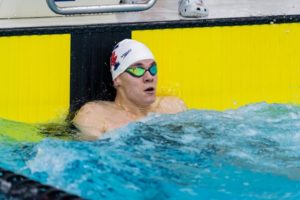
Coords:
163,10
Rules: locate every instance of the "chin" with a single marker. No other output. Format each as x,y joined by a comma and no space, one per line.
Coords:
149,100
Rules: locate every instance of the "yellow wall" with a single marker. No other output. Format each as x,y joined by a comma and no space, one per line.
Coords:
227,67
34,77
210,68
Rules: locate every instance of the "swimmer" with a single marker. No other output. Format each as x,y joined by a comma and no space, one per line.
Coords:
134,74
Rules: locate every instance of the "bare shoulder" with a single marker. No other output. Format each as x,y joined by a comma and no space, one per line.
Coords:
90,119
171,104
91,108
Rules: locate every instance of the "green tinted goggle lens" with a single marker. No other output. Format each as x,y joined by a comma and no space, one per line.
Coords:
138,71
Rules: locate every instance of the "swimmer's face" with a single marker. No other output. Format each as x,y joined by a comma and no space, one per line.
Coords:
140,90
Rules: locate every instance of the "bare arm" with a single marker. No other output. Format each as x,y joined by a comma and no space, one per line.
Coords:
89,121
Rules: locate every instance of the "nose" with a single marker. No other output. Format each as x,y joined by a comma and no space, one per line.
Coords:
148,77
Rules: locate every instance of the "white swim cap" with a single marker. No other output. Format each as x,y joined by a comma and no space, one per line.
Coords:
126,53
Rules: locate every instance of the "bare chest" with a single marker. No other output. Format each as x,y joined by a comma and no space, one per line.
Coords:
117,119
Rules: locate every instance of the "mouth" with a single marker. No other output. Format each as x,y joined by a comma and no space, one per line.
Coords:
150,90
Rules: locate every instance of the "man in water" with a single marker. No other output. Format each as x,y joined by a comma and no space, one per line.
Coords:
134,74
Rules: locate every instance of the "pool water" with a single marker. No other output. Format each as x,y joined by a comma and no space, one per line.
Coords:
249,153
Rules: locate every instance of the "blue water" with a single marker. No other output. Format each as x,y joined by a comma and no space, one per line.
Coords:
249,153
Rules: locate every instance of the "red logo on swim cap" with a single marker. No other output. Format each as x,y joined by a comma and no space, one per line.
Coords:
113,59
113,64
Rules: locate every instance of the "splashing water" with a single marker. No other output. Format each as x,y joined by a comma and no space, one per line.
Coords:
249,153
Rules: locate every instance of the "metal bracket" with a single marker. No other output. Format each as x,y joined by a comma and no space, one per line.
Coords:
99,9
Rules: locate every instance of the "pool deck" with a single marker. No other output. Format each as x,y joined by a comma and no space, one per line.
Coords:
164,10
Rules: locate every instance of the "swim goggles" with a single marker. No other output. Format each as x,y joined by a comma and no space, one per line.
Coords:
139,71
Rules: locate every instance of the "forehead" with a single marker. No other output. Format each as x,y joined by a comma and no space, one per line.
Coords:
145,63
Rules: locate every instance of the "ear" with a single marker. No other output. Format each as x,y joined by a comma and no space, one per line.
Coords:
116,82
